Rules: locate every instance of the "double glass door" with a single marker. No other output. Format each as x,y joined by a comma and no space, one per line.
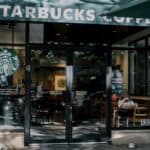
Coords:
50,119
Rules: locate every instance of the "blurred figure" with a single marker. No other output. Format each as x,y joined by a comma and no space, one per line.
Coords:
125,106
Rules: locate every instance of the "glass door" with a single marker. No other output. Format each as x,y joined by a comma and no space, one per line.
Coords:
48,85
89,97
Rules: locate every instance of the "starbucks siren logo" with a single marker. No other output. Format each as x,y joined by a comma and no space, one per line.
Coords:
9,63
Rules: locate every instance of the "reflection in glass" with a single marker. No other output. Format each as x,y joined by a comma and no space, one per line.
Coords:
48,95
89,96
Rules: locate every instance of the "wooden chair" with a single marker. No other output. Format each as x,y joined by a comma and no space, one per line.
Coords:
140,112
115,116
126,121
117,119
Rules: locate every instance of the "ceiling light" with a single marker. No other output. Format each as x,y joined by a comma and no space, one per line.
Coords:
114,31
57,34
81,43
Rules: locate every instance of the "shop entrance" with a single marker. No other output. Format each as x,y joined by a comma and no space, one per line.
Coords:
83,63
68,101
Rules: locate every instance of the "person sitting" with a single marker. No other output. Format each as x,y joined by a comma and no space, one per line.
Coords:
125,107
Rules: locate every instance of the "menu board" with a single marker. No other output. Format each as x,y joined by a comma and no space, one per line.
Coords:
8,91
117,84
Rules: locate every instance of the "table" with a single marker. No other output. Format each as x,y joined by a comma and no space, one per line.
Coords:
140,98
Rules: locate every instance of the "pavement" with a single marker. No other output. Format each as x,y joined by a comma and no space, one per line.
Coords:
87,146
120,141
83,146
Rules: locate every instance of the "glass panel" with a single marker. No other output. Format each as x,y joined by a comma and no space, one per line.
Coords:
48,100
19,33
141,43
132,72
141,75
130,109
119,82
12,88
148,71
5,33
137,75
36,33
89,96
148,41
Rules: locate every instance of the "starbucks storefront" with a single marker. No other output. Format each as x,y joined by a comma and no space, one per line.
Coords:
57,61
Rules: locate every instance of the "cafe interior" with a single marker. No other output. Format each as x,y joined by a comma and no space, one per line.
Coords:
130,62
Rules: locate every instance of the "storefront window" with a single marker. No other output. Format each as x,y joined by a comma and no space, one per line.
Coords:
140,43
148,76
12,87
132,73
137,70
148,68
19,33
131,106
12,33
36,33
5,33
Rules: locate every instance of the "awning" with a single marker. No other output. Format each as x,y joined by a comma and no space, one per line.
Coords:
135,8
105,12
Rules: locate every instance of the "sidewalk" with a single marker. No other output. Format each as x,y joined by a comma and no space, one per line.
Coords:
83,146
13,140
86,146
120,141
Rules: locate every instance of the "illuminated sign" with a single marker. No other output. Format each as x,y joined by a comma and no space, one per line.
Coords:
43,13
9,63
69,11
125,21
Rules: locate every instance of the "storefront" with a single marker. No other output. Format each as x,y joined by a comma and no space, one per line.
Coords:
62,60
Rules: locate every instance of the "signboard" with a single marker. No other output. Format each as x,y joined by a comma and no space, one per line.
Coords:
68,11
9,63
117,84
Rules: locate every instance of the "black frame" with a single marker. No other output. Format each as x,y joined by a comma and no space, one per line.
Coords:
69,74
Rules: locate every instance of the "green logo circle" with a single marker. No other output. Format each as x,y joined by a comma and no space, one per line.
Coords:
9,61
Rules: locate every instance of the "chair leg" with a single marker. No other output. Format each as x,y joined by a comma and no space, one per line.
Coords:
127,122
118,121
134,121
114,117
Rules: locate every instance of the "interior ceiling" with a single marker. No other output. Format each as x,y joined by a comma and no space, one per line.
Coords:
87,34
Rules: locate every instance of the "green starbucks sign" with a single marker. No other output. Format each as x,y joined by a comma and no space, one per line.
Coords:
9,63
75,11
